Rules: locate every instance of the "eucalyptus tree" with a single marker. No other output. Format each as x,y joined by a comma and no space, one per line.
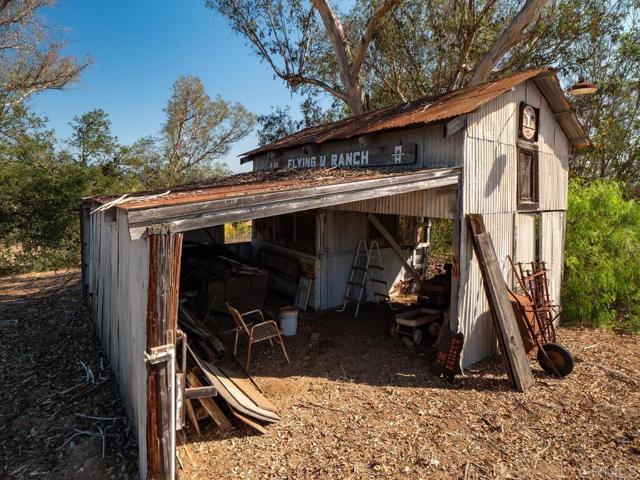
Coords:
311,46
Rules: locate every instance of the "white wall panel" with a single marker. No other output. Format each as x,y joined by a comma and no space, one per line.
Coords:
118,277
525,238
552,250
474,318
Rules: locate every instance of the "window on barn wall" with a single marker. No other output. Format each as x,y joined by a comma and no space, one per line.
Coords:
527,179
296,231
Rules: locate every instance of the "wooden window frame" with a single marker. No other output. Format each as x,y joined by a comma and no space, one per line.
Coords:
529,205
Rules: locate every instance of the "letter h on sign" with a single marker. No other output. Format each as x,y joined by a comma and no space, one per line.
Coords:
397,154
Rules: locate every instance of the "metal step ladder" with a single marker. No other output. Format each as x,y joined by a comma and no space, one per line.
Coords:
375,272
367,265
357,278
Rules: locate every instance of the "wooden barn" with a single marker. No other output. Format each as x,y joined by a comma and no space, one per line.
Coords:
500,149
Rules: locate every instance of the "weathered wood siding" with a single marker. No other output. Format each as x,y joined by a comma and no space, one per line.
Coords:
117,277
433,150
489,186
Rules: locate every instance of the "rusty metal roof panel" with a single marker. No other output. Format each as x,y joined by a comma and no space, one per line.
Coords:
428,110
246,184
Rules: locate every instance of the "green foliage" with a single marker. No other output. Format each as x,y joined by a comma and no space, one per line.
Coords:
602,272
238,231
41,187
442,239
198,130
280,122
40,192
91,139
38,208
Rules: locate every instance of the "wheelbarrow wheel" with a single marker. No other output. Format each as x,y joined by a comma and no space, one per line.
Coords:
393,329
559,358
417,336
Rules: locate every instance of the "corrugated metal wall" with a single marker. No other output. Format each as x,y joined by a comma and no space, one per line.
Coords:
343,231
489,186
118,276
490,177
474,318
433,203
433,149
524,238
553,226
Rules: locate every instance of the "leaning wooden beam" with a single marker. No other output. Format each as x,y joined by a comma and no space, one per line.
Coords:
395,247
504,319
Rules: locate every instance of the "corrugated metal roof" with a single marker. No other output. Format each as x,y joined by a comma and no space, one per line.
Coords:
269,193
250,183
436,109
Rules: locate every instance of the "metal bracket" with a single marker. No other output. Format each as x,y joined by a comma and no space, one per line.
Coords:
162,353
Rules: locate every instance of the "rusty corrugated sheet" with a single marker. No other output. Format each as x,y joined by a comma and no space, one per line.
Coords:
434,109
252,183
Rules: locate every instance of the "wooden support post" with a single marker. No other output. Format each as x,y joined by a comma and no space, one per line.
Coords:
165,249
395,247
511,346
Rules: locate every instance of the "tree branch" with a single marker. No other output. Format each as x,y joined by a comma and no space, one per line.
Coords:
511,36
370,28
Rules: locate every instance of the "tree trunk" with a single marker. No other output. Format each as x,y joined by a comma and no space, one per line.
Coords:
337,37
509,38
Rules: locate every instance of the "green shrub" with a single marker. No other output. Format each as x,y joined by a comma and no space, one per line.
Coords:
602,257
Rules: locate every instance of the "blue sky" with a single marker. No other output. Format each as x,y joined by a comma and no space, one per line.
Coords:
139,48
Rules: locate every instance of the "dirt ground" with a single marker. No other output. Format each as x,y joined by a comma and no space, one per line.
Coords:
359,404
354,404
60,413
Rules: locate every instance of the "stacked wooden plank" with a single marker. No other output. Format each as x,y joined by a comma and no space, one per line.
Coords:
236,393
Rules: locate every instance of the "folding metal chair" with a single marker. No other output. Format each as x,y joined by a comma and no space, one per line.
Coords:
255,333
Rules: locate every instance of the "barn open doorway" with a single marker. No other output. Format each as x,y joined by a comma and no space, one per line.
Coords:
313,253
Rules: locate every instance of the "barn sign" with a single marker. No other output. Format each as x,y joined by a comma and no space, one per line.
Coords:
370,157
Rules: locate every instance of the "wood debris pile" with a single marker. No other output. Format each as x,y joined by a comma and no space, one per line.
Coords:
207,364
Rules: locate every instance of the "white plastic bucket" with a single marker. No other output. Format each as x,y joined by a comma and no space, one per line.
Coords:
288,321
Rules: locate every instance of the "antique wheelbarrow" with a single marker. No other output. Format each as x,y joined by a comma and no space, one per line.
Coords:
536,315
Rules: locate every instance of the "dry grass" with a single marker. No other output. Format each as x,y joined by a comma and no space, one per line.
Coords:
355,404
47,396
